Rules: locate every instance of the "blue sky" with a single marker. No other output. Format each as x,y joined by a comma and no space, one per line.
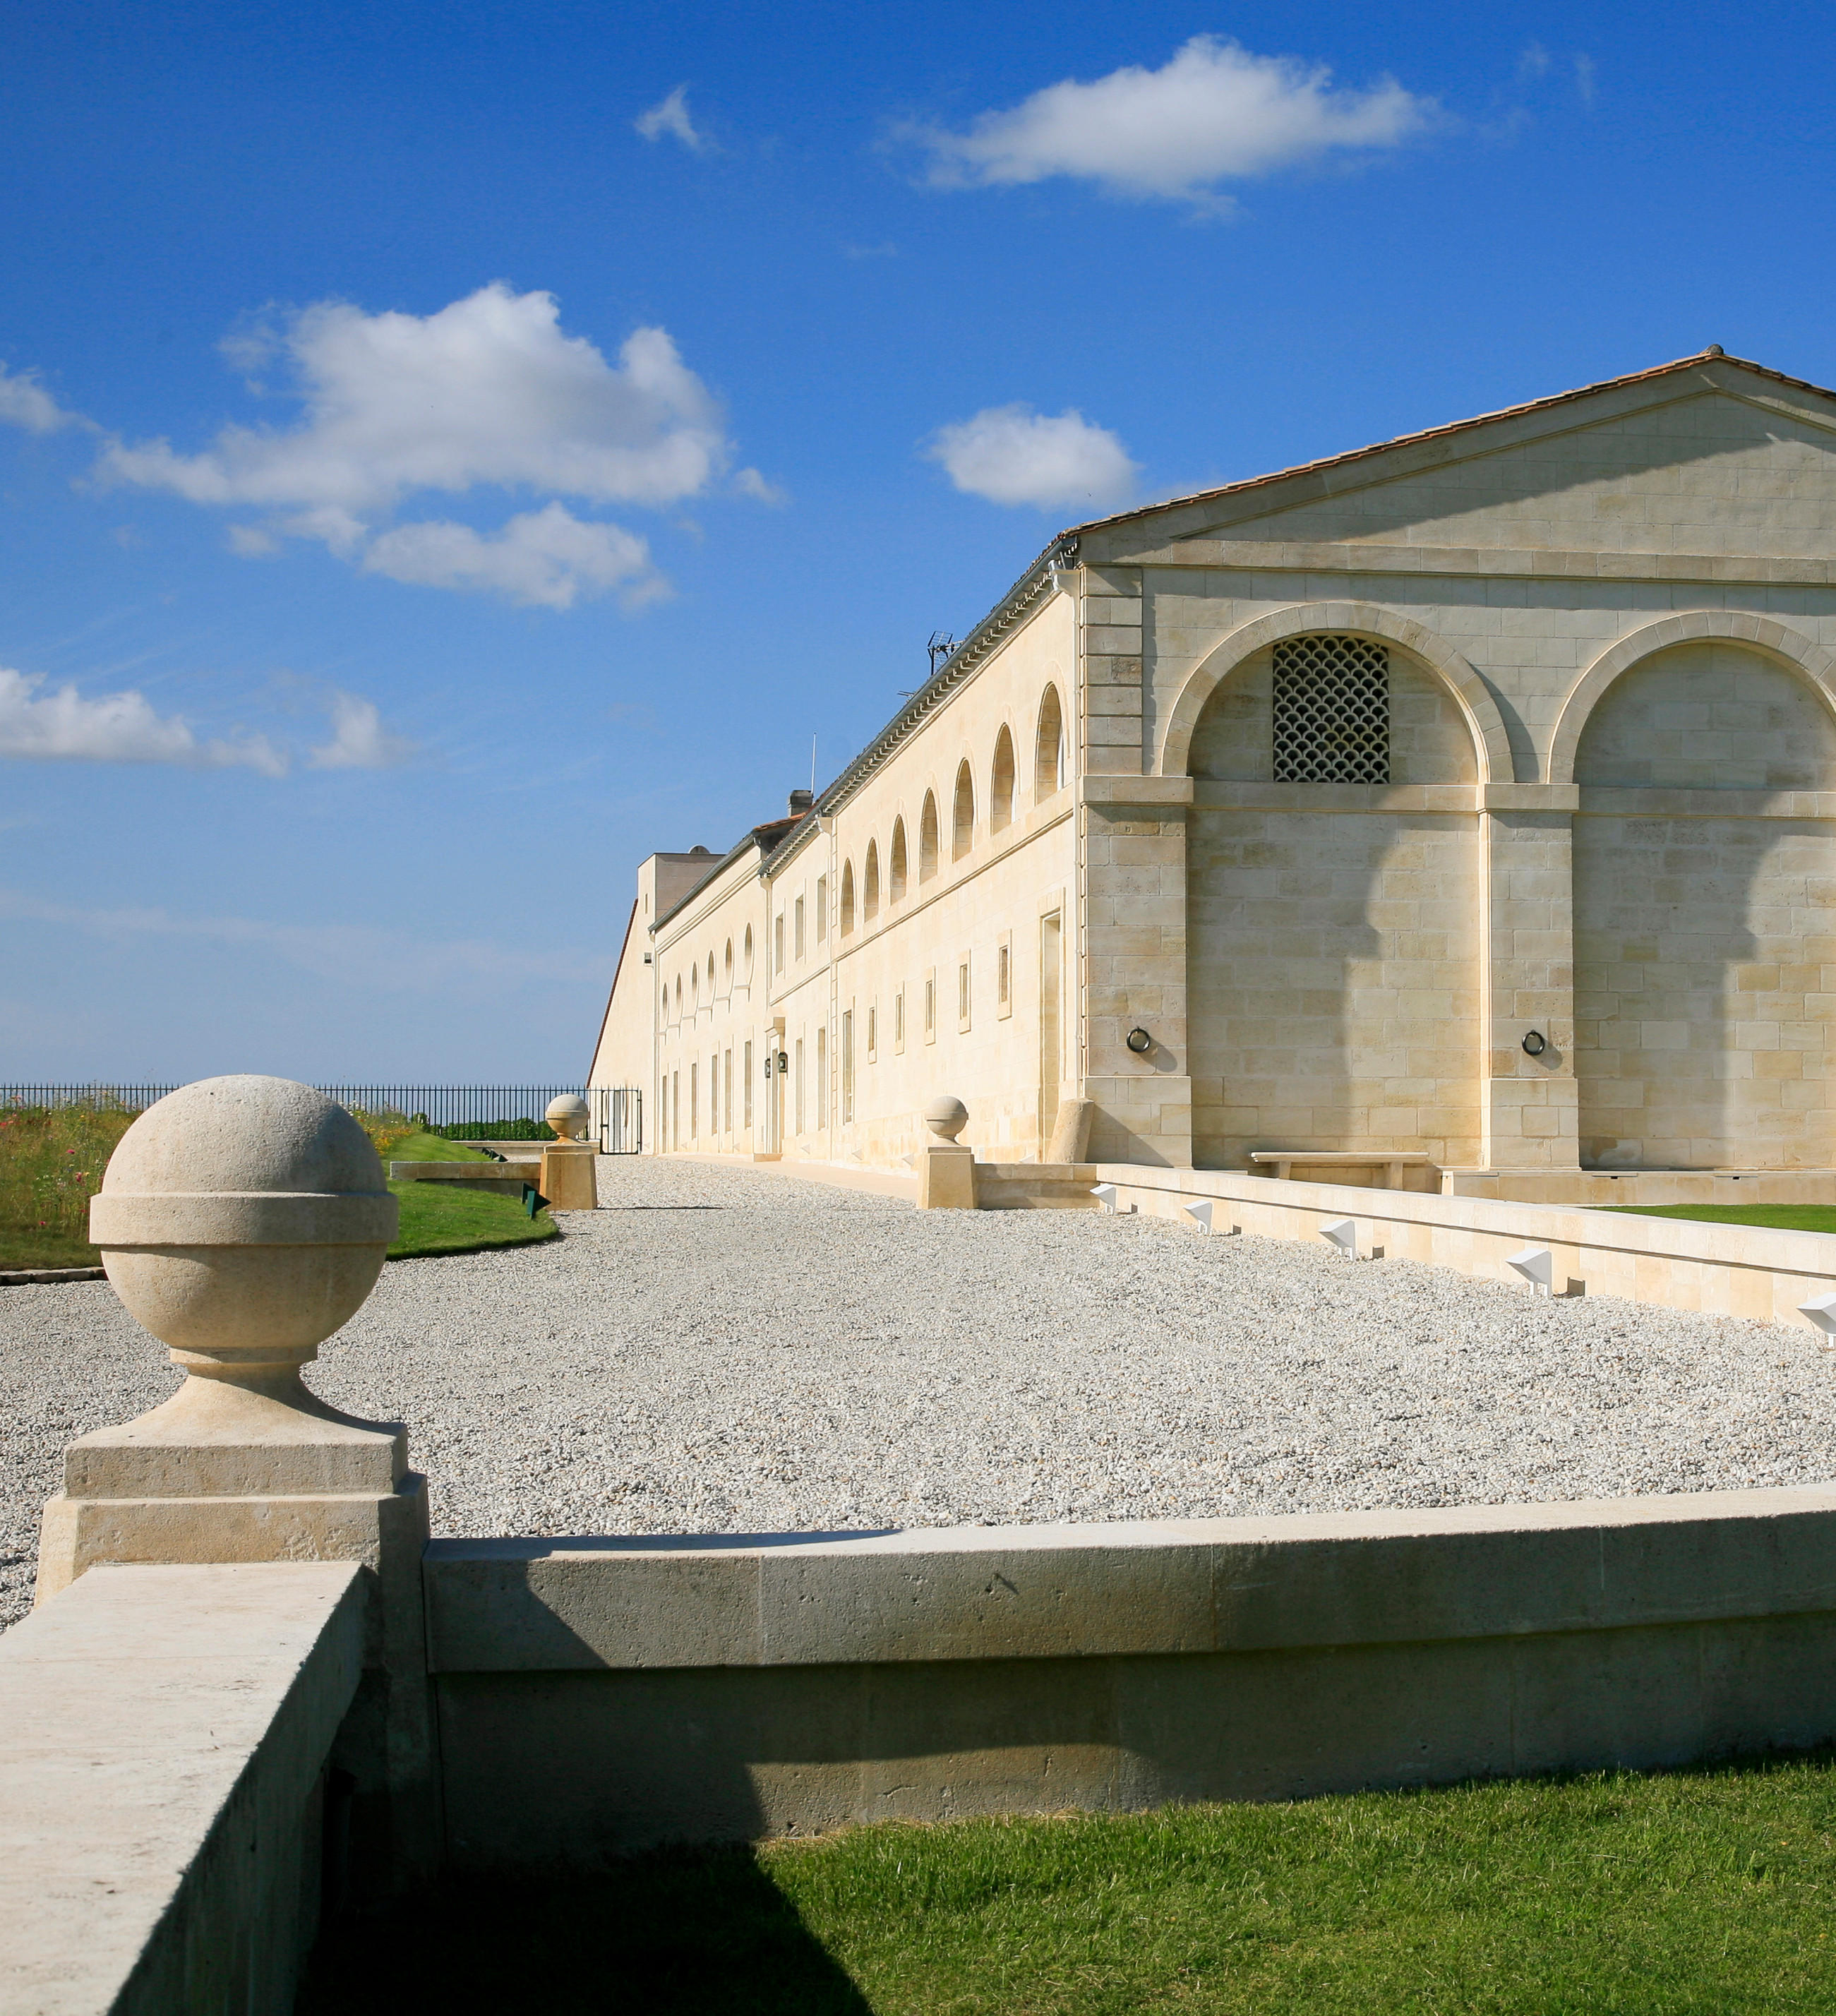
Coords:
450,452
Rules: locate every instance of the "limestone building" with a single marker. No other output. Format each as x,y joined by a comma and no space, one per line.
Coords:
1469,800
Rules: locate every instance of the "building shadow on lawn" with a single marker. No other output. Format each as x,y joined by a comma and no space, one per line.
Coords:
675,1932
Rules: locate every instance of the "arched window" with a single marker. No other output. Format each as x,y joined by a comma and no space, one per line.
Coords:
895,862
746,958
870,884
962,813
679,997
1001,783
695,990
727,965
1049,748
848,898
927,839
711,980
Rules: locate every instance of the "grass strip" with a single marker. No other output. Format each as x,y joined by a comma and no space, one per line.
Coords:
419,1147
1699,1891
1780,1217
439,1218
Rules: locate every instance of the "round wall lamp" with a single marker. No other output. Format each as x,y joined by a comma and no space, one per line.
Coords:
1536,1043
1139,1042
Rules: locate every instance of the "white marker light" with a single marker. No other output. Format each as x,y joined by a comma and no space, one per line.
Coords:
1342,1233
1200,1214
1537,1264
1106,1195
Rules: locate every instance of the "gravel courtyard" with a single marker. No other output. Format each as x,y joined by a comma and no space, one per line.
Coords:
722,1350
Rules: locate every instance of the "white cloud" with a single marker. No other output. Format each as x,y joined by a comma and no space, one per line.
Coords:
359,740
250,542
671,116
25,403
114,728
1214,113
547,557
750,483
1014,455
488,389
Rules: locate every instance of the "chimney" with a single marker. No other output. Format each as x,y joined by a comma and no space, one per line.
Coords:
800,802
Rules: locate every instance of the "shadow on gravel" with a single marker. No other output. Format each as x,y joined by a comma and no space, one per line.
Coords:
680,1932
666,1207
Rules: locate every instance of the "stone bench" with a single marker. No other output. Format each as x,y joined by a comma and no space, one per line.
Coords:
1279,1162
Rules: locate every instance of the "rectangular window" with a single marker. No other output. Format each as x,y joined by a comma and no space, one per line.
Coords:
1330,711
800,1085
963,996
1004,976
822,909
847,1065
872,1032
694,1118
930,1006
727,1093
899,1023
777,943
821,1078
798,933
675,1100
747,1073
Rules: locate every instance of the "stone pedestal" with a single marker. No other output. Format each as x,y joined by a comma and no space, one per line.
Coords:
570,1179
243,1220
946,1177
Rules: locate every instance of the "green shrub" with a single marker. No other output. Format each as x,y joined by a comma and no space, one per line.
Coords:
494,1130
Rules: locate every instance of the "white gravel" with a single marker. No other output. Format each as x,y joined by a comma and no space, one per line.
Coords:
720,1350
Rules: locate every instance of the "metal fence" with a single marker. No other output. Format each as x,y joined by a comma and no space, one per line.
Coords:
617,1112
618,1118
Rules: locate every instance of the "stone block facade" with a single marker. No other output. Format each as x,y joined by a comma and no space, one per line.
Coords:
1474,795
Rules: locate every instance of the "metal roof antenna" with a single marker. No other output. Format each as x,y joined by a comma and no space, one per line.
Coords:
940,647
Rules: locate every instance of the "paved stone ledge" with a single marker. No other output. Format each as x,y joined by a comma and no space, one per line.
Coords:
163,1732
1169,1587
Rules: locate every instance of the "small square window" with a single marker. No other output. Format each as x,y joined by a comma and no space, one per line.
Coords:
1004,976
799,930
963,996
899,1023
872,1032
822,909
930,1006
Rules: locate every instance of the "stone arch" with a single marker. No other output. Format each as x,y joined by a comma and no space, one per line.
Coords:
963,812
870,884
927,838
895,861
1757,633
1048,747
1001,783
1490,740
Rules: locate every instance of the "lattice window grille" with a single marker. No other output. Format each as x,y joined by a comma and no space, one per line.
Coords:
1332,712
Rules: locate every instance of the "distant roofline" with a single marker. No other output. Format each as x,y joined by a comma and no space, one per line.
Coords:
753,837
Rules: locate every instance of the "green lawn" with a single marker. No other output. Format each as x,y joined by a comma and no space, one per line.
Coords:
1710,1891
436,1218
1781,1216
432,1148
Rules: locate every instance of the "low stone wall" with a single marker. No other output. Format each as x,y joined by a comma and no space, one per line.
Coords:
599,1695
1738,1270
163,1734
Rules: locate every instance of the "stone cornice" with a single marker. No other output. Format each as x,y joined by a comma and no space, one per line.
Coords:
1306,556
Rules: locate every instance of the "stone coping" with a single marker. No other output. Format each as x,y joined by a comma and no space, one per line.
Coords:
162,1730
21,1277
1129,1588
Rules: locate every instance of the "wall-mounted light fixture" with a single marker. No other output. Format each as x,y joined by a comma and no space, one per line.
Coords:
1536,1043
1139,1042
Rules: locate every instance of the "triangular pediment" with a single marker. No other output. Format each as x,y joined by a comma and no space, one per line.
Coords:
1714,458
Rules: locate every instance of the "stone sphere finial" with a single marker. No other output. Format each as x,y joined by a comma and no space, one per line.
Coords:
243,1220
568,1115
946,1116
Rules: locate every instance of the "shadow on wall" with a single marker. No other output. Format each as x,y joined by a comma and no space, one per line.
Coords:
1333,950
1699,1001
675,1933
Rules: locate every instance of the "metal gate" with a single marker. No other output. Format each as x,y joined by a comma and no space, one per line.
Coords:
618,1118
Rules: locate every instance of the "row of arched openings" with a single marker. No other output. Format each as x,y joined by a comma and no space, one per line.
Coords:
1050,771
695,996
